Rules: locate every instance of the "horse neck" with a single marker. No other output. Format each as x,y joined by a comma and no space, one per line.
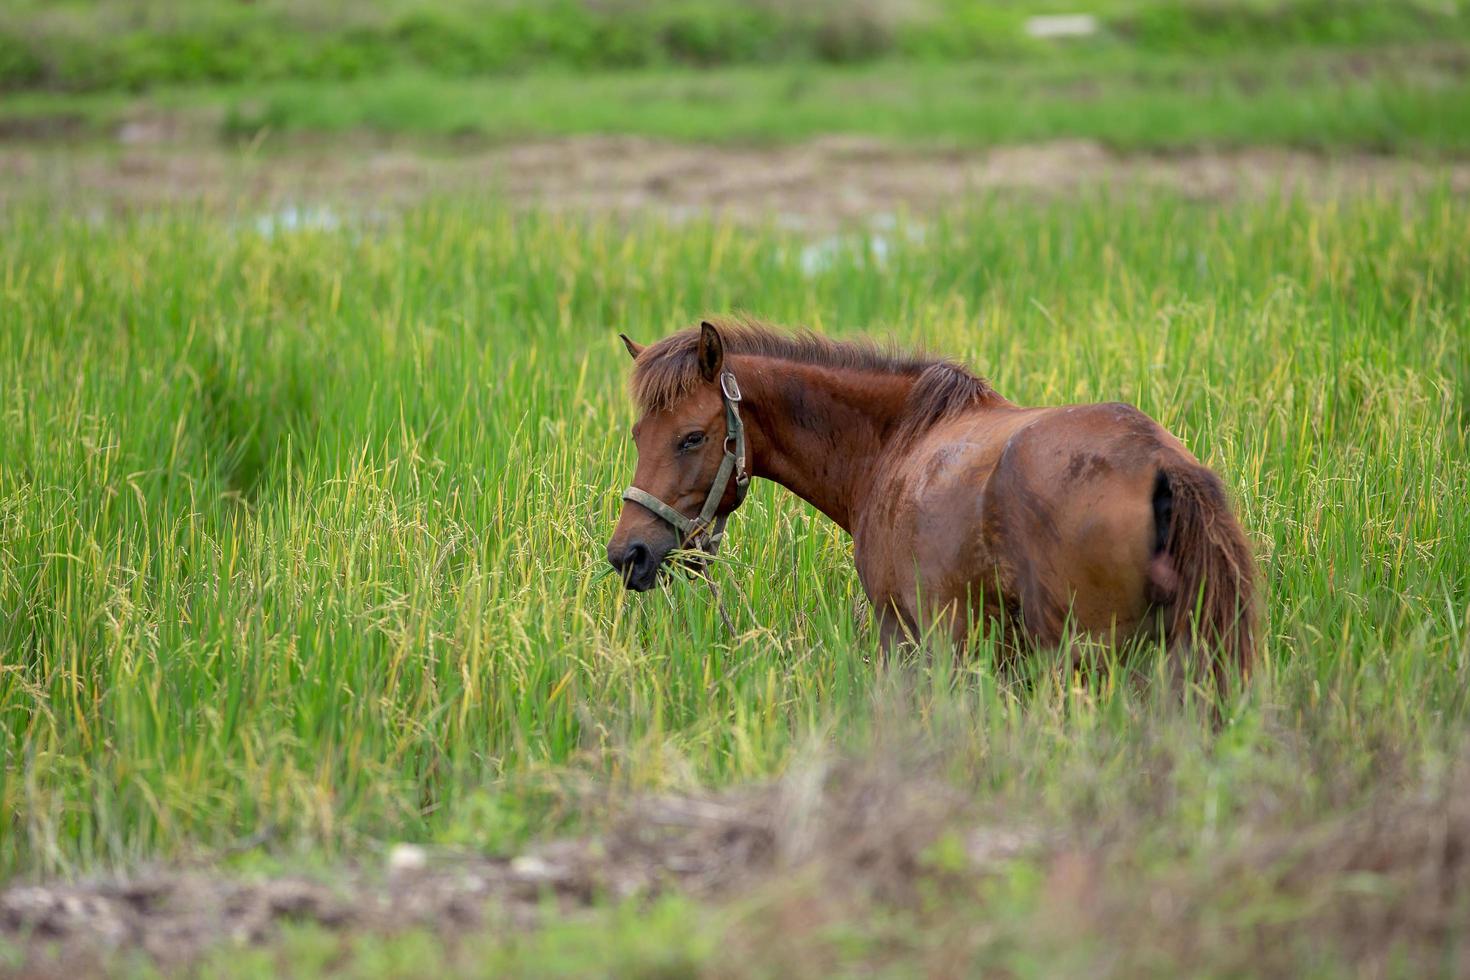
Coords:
818,431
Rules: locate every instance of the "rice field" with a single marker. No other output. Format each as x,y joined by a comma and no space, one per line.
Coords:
301,528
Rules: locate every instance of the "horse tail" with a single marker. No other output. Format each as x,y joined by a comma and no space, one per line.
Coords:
1202,572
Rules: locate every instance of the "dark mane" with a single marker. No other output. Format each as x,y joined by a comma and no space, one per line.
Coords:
667,370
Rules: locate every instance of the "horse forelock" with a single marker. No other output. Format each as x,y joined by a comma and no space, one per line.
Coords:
668,370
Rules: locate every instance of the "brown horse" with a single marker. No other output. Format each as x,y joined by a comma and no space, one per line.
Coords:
964,509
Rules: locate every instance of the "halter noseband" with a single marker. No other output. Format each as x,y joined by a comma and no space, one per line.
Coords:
706,530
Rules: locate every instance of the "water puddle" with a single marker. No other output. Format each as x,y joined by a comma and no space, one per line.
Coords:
872,244
292,218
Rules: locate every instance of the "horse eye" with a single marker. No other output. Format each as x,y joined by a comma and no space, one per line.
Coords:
692,440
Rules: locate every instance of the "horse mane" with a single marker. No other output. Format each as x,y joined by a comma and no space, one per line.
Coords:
668,370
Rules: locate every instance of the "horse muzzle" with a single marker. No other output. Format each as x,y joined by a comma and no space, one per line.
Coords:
637,564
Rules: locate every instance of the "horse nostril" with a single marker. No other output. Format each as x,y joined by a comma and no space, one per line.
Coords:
636,558
629,560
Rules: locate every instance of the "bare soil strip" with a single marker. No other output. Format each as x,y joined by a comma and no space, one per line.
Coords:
870,823
821,184
1386,884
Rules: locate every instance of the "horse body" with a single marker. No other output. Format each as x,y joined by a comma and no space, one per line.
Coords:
1028,515
965,511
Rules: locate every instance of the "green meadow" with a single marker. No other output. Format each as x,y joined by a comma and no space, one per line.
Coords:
140,45
1413,98
303,505
301,537
1330,75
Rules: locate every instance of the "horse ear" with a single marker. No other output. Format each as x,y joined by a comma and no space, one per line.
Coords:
711,351
633,349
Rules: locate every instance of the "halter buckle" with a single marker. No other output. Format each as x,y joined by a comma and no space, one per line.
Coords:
729,387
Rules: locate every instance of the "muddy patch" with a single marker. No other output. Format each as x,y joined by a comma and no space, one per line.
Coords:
42,127
822,184
867,826
1383,887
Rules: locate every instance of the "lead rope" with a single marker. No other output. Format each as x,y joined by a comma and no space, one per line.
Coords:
736,662
714,590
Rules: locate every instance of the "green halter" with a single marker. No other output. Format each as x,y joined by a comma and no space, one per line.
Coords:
706,530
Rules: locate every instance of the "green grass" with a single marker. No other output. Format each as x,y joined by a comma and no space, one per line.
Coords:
135,45
305,532
1410,100
1162,103
1321,74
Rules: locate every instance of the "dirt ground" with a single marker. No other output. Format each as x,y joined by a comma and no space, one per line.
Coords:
867,824
1383,886
819,184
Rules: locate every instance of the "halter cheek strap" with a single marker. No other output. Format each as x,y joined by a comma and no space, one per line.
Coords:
706,530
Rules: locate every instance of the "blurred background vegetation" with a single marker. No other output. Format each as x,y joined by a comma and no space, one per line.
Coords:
134,45
1384,76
